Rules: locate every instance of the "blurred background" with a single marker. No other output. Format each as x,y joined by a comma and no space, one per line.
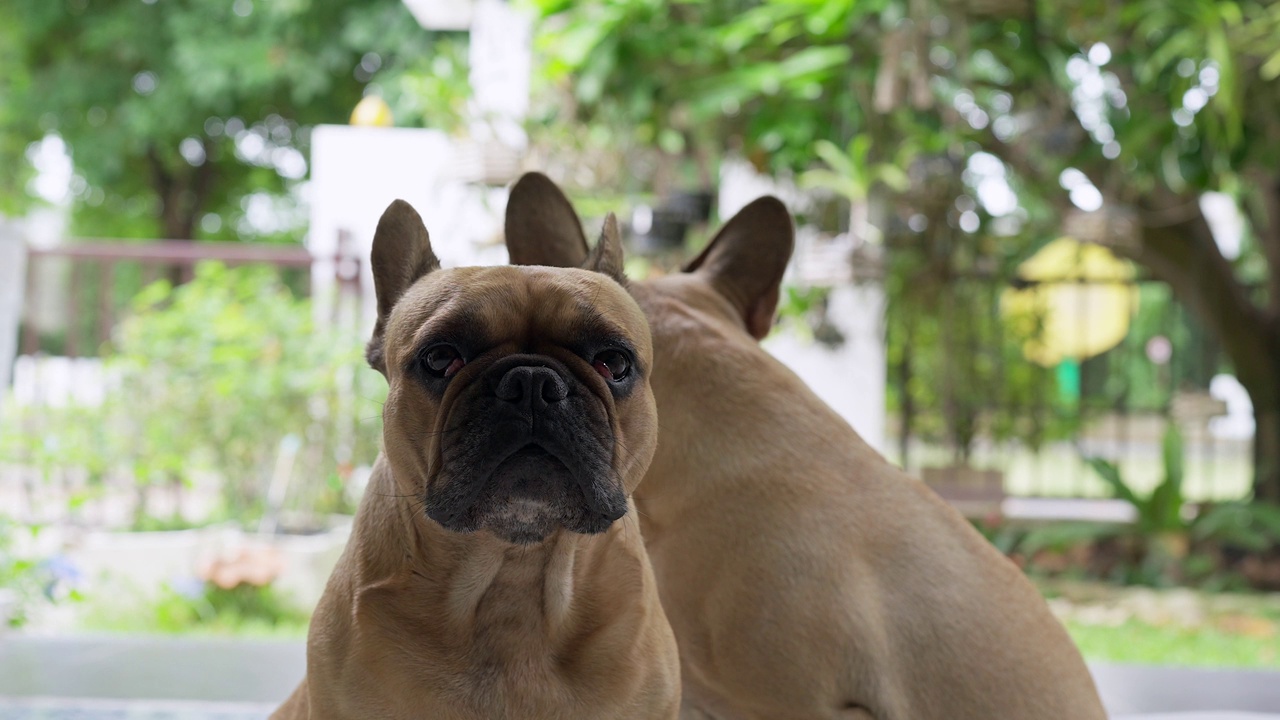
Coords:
1038,265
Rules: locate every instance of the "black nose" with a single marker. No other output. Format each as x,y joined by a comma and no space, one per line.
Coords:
533,385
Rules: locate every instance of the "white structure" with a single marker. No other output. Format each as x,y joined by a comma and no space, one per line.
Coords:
501,69
12,275
357,171
850,378
456,185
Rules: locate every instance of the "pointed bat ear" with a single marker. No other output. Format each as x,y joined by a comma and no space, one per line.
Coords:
401,255
541,226
606,257
745,261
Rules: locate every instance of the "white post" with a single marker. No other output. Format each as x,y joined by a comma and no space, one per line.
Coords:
13,273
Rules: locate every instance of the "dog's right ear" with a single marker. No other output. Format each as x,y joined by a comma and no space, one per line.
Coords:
745,261
606,256
541,226
401,255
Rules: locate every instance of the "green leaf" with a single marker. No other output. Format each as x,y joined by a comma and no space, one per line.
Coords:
894,177
813,60
827,180
835,158
1231,523
1171,450
1270,69
1110,474
1063,536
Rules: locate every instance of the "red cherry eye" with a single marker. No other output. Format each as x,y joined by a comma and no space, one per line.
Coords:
612,365
443,361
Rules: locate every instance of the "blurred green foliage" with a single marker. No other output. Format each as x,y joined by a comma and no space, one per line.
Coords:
177,115
204,609
956,366
778,76
218,375
219,371
1168,542
1134,108
21,582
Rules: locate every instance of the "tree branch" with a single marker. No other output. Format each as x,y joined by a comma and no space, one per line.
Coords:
1185,255
161,178
200,187
1266,227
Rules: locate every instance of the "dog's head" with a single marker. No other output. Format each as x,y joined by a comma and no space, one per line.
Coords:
734,282
519,400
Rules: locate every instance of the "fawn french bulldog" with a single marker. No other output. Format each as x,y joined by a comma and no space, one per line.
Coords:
496,568
805,576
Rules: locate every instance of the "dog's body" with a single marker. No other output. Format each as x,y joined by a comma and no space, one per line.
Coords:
805,577
496,568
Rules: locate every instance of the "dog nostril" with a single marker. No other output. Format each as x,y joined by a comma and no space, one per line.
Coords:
513,386
554,388
522,383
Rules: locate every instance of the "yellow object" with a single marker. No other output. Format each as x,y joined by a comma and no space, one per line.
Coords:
1078,305
372,111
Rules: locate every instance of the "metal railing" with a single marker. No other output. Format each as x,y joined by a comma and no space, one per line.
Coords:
100,278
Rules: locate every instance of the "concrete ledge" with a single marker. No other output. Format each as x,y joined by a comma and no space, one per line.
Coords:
154,668
1128,689
61,709
50,677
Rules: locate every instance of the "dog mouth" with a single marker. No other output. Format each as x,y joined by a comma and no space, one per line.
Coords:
528,495
531,474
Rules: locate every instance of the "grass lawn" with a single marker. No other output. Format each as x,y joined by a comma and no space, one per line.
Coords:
1169,627
1138,643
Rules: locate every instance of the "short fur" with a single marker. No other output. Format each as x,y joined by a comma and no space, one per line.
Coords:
805,576
419,621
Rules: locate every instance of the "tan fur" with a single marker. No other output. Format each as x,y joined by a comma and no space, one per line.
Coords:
805,576
421,622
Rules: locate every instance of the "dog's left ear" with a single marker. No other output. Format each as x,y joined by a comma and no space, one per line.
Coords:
745,261
401,255
606,256
541,226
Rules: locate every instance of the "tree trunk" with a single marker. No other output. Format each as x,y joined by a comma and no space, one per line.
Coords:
1258,373
1266,455
1182,252
182,193
1266,415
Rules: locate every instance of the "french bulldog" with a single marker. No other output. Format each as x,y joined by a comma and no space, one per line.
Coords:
496,567
804,575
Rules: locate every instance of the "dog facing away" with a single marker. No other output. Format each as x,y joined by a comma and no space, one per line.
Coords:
805,576
496,568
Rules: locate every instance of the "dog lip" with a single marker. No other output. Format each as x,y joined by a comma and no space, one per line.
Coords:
580,475
530,448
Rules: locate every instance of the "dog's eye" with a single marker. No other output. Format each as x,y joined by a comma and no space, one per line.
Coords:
612,365
443,360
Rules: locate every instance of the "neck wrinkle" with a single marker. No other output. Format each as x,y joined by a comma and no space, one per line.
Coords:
471,581
465,583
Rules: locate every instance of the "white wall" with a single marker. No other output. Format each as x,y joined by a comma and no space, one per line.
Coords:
12,276
851,378
357,171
